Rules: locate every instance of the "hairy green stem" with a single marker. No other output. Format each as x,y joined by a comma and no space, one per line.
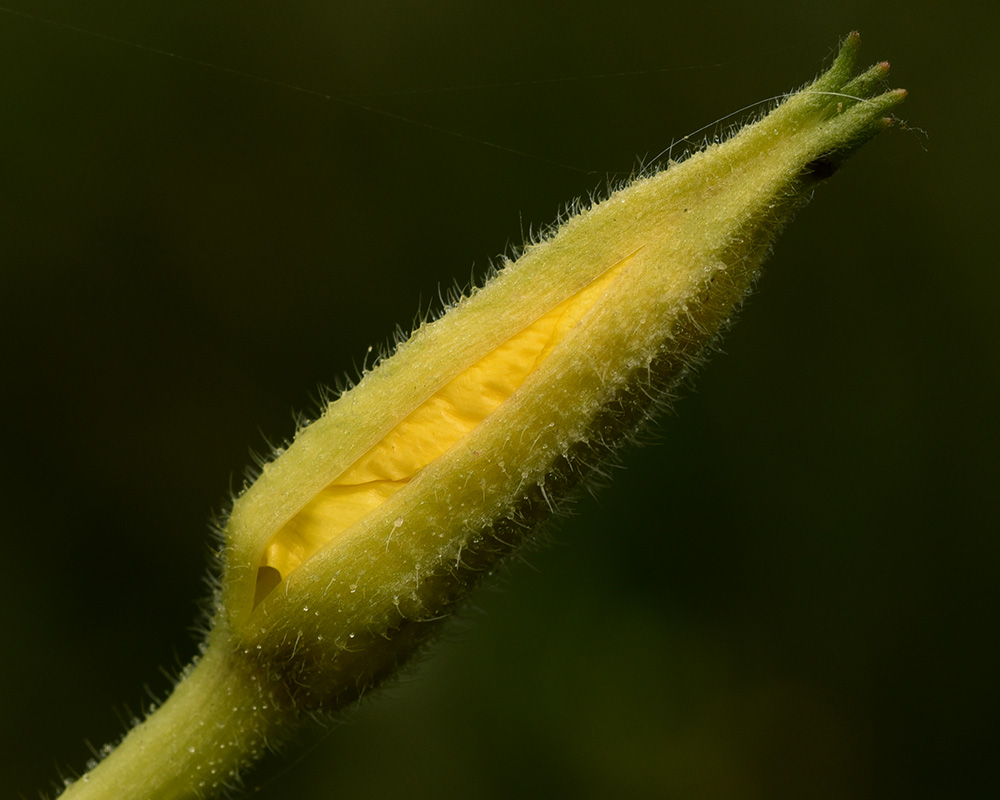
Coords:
218,720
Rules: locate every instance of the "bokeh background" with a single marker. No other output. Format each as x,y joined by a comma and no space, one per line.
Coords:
792,595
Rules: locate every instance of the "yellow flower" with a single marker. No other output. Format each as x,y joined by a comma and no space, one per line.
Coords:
385,512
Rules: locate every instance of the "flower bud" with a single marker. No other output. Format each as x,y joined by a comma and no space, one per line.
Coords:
383,514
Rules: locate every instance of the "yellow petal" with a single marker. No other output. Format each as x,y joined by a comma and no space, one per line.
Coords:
424,435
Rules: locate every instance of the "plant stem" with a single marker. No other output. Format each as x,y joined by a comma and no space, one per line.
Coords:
212,726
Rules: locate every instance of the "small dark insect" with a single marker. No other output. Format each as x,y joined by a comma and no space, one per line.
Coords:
819,169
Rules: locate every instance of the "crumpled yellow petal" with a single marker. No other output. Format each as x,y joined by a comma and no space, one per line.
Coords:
424,435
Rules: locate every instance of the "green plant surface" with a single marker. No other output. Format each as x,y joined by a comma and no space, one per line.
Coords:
341,557
787,598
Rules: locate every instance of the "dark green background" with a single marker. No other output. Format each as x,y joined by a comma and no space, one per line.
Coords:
793,595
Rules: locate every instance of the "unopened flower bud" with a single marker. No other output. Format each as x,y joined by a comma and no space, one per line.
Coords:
354,542
384,512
